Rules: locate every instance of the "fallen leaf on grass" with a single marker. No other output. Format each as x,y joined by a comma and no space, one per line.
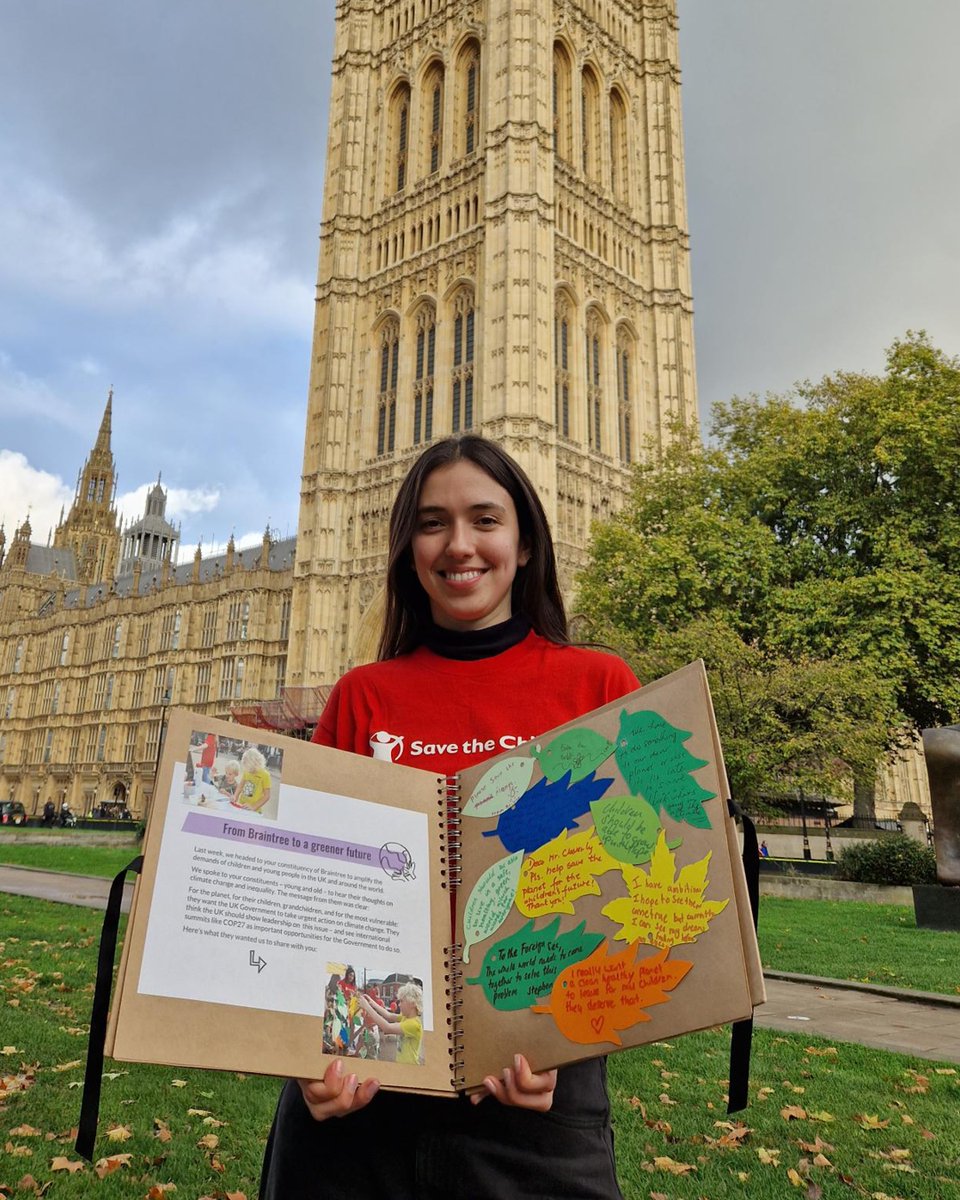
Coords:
795,1178
213,1122
870,1121
665,1099
25,1131
67,1066
198,1112
161,1130
178,1083
9,1051
945,1071
769,1158
826,1052
209,1141
106,1166
119,1133
159,1190
793,1112
675,1168
65,1164
17,1151
821,1116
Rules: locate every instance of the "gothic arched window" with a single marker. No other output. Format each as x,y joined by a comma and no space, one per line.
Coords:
387,394
464,320
431,121
423,383
561,374
400,136
594,348
619,157
590,123
626,368
562,107
468,80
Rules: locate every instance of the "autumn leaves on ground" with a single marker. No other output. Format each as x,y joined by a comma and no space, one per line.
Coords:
824,1121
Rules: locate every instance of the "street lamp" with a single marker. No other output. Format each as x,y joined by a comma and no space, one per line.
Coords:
164,702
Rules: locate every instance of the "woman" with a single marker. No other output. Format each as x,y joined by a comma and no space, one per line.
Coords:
474,649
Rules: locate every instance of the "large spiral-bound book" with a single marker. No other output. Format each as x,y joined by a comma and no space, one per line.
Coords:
579,894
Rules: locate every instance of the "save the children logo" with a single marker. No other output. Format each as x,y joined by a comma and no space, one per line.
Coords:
383,745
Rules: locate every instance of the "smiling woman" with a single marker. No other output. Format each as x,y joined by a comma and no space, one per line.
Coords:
474,657
467,548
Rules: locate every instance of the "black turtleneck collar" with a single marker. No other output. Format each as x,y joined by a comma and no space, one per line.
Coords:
470,644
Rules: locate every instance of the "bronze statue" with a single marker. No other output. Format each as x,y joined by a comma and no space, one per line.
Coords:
941,748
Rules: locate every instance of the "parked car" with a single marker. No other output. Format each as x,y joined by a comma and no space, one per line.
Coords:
12,812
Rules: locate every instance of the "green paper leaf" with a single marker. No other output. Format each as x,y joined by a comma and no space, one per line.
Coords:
520,968
656,765
628,827
579,751
500,787
490,901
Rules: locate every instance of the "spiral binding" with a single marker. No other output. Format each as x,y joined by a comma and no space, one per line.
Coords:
451,803
455,1009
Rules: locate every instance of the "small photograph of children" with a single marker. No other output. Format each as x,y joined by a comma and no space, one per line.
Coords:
374,1016
228,775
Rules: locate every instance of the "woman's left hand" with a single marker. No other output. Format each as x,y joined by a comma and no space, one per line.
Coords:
521,1087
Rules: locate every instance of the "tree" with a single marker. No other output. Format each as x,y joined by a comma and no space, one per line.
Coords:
813,553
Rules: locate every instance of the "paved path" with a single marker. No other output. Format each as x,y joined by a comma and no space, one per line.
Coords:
918,1023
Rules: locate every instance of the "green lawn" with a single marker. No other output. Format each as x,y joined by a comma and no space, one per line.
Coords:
870,943
69,855
848,1121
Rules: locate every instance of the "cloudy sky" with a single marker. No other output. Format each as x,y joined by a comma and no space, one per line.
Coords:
161,171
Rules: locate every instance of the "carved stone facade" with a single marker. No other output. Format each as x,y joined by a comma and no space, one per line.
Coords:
504,249
88,667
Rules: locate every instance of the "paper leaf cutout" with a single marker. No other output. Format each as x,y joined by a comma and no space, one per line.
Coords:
654,762
519,969
545,810
628,827
593,999
663,910
490,901
579,751
562,871
500,788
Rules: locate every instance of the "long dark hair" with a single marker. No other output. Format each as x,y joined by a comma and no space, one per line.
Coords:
536,591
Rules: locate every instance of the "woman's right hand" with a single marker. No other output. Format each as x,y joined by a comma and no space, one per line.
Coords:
334,1095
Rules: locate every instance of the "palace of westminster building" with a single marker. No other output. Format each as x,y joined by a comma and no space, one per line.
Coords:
504,249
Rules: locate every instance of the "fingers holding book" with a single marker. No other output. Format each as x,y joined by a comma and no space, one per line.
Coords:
336,1095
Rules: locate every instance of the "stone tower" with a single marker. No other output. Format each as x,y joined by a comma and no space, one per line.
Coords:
504,248
150,543
90,529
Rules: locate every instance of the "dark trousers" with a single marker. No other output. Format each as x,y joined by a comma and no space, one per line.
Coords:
406,1147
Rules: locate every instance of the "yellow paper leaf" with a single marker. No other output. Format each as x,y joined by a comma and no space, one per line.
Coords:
663,908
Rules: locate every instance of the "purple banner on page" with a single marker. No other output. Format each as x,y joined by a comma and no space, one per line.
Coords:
249,833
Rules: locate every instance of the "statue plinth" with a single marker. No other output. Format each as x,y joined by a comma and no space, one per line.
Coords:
937,905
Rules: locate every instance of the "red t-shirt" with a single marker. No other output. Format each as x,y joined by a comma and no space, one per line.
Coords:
443,715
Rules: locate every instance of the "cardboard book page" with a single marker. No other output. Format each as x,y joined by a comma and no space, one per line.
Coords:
601,903
293,906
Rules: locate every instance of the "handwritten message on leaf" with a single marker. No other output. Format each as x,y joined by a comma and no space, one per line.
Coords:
592,1000
664,908
490,901
500,788
628,827
656,765
578,751
562,871
545,810
519,969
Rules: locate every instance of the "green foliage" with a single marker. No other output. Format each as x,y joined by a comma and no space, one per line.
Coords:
897,859
811,556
